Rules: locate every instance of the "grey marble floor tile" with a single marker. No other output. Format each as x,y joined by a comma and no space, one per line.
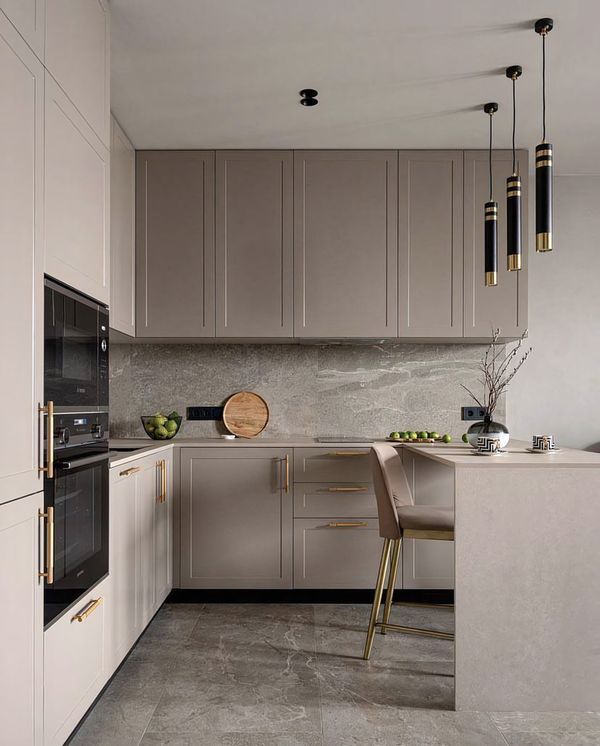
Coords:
231,739
341,630
551,728
173,624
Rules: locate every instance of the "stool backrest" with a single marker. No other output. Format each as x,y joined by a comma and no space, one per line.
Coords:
391,488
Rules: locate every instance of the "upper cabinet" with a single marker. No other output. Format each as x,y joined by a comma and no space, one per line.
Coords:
77,56
345,243
28,17
254,243
175,250
122,232
503,306
430,240
76,198
21,274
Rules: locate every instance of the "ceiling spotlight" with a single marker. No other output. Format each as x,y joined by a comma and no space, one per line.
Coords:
309,97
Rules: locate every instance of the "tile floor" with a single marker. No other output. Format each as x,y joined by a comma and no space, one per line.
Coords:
292,675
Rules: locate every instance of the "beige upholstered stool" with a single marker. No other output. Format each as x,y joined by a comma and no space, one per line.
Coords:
399,517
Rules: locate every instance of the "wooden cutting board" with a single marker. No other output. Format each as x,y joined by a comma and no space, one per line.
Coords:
245,414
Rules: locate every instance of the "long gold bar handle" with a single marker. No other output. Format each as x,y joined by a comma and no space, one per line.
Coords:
49,572
89,609
287,473
348,453
347,524
130,471
49,411
346,489
163,480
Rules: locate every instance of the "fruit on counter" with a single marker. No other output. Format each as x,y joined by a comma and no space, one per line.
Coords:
395,435
158,419
423,434
465,438
162,427
171,426
161,432
174,415
413,435
446,438
434,434
403,435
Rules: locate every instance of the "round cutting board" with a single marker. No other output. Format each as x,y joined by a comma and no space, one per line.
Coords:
245,414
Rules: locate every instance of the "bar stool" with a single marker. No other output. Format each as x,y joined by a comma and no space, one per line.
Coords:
400,518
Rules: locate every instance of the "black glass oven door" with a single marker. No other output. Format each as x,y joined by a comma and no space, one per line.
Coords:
79,495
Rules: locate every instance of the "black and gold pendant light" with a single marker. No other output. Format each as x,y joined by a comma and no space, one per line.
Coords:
543,160
514,248
491,215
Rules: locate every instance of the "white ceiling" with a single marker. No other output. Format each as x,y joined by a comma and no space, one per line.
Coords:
390,74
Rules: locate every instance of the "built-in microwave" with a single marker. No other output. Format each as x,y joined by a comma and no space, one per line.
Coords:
75,350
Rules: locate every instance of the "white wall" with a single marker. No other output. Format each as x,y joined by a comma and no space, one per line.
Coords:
558,389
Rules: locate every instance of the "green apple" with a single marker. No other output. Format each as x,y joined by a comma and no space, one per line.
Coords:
465,438
403,435
171,426
423,434
159,420
447,438
161,432
395,435
413,435
435,435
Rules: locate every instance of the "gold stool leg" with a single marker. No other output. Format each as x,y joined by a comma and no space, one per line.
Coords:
385,556
397,544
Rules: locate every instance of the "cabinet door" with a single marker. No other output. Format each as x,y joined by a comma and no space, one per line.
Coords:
122,629
345,243
77,199
175,244
236,518
74,670
21,641
336,552
427,563
77,56
332,464
28,17
254,236
21,274
122,231
147,493
163,532
505,305
430,239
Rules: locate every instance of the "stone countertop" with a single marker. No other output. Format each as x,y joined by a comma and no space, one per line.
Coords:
144,448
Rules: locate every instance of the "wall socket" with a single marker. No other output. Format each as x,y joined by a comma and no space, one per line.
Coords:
473,413
204,413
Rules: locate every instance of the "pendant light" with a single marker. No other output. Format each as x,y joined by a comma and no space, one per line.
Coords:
491,215
543,160
514,248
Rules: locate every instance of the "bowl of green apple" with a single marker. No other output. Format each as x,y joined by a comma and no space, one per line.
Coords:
161,426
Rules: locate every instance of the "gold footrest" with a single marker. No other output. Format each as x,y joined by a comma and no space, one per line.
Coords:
423,605
416,631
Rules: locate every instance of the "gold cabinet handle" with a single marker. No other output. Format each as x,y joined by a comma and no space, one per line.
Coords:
49,572
48,410
89,609
347,524
346,489
130,471
348,453
162,465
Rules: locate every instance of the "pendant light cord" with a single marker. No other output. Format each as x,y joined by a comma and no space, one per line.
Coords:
544,87
490,159
514,126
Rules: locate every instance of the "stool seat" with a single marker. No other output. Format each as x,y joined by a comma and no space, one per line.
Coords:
425,518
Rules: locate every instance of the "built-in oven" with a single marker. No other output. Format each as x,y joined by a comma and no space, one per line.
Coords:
75,351
76,509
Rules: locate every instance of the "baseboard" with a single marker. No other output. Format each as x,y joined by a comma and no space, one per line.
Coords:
302,596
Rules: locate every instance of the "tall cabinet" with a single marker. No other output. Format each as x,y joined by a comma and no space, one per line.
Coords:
28,17
345,249
505,305
21,283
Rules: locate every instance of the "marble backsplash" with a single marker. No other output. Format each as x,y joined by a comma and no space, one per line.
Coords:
365,390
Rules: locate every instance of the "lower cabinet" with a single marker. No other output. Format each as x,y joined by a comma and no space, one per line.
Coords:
21,642
141,527
428,564
74,663
236,518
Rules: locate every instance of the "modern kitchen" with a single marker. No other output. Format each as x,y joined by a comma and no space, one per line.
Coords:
300,373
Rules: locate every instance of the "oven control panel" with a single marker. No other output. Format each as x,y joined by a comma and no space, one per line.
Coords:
79,428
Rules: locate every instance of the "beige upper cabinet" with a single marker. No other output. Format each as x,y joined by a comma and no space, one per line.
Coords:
505,305
430,240
21,641
28,17
175,249
254,236
345,243
21,273
78,57
122,231
76,198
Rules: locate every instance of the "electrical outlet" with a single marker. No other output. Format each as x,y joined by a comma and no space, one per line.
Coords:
473,413
204,413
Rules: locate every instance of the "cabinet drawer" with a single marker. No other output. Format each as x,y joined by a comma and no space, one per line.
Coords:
74,670
323,499
328,554
332,465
